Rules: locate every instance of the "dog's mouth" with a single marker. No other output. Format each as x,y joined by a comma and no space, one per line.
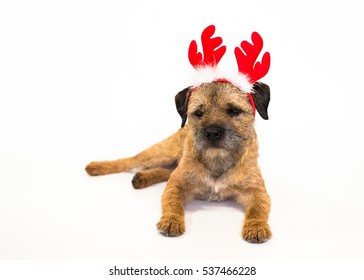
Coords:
217,141
216,137
208,145
216,152
217,160
214,146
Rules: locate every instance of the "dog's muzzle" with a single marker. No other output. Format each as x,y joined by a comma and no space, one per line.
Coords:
214,134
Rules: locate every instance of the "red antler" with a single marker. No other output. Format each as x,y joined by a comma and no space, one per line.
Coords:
246,62
211,57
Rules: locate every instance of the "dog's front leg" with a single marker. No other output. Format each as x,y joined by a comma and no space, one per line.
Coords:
257,207
172,222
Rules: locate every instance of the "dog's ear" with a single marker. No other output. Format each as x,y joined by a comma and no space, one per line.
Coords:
181,100
261,98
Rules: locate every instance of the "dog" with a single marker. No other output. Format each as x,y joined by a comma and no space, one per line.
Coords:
213,157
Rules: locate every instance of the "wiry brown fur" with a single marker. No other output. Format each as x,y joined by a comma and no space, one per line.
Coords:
196,169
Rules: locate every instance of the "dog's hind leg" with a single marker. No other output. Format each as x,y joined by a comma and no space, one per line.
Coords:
146,178
166,153
96,168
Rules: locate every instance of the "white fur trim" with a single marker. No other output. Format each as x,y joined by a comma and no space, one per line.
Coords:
210,74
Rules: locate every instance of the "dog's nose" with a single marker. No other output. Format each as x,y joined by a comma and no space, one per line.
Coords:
214,133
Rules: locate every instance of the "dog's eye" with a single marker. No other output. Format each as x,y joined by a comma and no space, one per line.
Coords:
233,111
198,113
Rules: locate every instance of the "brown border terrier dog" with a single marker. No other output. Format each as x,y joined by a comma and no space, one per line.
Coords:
214,157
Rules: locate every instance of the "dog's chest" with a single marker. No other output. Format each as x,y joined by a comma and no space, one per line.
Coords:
213,190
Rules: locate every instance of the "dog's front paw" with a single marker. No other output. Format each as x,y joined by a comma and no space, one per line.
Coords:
256,231
171,225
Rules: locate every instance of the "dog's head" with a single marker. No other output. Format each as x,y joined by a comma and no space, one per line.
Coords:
220,107
221,117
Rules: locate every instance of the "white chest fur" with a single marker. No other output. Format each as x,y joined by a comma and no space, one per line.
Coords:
213,190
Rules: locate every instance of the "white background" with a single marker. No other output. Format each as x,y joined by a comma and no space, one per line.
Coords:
95,80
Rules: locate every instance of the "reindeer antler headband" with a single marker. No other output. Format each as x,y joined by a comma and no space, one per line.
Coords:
246,55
